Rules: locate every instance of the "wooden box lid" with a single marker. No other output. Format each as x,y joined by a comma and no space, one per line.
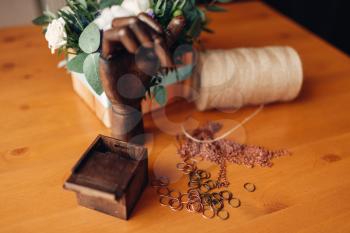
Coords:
106,168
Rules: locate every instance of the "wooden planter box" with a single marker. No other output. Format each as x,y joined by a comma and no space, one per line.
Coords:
100,104
110,176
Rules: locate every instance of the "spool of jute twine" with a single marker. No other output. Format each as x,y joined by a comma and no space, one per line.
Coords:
246,76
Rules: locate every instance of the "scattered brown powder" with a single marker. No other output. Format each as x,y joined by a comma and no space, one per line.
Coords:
224,150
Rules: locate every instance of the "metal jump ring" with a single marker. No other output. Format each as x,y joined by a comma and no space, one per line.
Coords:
249,187
205,210
204,188
180,166
234,202
164,181
174,191
226,195
175,207
223,214
161,189
181,198
162,201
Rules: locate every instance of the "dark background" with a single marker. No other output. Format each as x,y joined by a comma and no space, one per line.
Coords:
329,19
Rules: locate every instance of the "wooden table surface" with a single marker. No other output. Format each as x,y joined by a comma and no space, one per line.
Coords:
46,127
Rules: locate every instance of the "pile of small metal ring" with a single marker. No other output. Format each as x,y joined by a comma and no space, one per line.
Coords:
200,197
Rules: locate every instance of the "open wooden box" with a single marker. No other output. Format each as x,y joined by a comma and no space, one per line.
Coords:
110,176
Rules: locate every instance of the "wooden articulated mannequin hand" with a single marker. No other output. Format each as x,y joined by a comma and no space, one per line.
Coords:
133,51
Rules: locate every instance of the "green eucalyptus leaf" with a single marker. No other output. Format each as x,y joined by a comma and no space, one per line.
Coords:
49,14
89,40
181,73
76,64
91,71
42,20
83,3
109,3
215,8
195,28
160,95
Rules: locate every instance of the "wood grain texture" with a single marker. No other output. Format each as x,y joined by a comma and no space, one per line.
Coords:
46,127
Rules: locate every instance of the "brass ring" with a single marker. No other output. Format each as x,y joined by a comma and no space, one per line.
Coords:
234,202
174,191
180,166
217,196
226,195
164,181
206,199
181,198
249,187
177,207
188,207
163,191
196,206
206,188
194,184
217,204
201,172
212,184
162,201
224,214
205,210
190,159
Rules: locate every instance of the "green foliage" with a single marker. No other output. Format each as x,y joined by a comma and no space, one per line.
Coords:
196,20
84,38
77,18
91,72
42,20
76,64
89,40
160,95
109,3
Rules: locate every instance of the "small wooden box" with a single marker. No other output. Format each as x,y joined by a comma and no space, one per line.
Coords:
110,177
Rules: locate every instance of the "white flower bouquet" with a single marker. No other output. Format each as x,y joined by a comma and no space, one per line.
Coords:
76,29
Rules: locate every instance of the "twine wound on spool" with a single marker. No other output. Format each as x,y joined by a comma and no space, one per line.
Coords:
247,76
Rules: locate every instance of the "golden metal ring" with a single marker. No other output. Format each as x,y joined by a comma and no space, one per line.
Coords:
196,206
164,181
234,202
173,192
249,187
226,195
217,204
172,204
163,200
204,188
180,166
163,191
217,196
212,184
223,214
206,210
181,198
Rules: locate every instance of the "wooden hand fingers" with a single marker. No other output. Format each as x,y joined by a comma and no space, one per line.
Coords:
174,29
134,32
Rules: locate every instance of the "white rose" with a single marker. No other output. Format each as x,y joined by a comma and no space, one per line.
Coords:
56,34
136,6
104,21
128,8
